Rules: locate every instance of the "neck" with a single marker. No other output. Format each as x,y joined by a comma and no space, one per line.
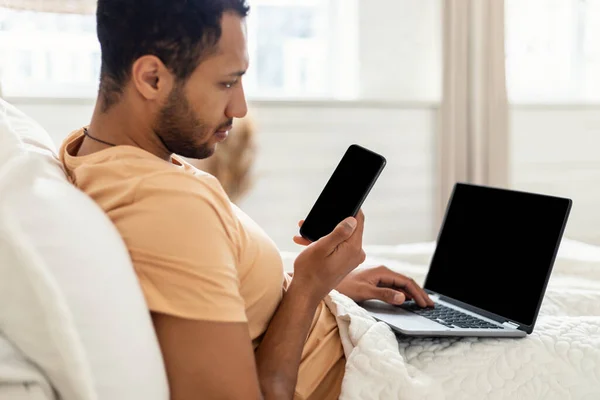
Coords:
122,124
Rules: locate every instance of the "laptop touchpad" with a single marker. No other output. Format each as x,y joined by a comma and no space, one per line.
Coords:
399,317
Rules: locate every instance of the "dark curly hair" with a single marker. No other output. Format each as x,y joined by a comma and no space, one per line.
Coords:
179,32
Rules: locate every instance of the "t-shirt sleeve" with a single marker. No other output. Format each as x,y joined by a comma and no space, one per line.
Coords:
182,237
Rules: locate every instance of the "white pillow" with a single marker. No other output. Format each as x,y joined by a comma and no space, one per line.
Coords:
65,231
19,379
17,130
35,315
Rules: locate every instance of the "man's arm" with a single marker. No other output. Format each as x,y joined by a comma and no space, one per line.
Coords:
209,360
206,359
215,360
278,356
318,269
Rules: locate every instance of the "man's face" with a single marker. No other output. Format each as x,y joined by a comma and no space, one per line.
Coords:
199,112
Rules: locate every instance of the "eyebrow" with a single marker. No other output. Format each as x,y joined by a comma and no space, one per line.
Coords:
237,73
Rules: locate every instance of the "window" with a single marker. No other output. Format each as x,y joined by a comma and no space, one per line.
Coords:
288,41
552,50
44,54
290,45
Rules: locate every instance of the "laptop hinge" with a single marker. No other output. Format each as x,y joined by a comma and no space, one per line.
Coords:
510,324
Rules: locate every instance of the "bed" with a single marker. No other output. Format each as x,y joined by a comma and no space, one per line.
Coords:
559,360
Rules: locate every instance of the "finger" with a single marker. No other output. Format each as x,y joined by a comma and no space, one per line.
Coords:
391,279
428,299
300,223
301,241
430,302
406,294
388,295
342,232
418,295
358,233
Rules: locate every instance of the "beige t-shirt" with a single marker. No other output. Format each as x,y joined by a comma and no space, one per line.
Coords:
196,254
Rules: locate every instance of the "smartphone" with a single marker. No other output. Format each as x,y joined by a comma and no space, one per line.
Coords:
344,193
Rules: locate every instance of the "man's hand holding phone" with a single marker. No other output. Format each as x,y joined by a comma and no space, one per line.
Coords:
334,248
379,283
323,264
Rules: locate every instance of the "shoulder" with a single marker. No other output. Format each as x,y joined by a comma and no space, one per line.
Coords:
181,185
186,201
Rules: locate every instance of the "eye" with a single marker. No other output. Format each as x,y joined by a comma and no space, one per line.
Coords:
229,85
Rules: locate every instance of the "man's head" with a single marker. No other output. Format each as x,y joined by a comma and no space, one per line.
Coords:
179,63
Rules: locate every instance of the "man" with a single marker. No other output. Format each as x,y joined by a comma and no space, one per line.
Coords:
230,323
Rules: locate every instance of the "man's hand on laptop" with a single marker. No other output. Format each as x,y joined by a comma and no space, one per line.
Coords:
381,283
378,283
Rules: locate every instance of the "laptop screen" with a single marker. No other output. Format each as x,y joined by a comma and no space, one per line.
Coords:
496,249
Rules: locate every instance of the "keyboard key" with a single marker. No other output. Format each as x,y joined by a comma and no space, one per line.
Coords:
449,317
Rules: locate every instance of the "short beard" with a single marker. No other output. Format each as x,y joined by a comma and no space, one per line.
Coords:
179,129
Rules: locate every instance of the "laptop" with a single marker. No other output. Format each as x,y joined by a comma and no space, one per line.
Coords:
490,268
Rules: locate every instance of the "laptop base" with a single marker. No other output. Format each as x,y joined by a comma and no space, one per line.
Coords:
410,324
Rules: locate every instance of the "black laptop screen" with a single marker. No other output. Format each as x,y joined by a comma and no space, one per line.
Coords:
496,248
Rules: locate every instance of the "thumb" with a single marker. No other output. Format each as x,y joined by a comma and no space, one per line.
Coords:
388,295
340,234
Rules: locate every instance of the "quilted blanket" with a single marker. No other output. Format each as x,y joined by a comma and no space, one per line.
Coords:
559,360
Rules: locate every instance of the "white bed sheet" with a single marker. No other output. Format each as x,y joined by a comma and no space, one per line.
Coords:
559,360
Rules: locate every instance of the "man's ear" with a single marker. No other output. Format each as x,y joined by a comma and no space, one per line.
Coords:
151,77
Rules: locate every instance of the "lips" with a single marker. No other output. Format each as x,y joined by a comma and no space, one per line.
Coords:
226,129
221,134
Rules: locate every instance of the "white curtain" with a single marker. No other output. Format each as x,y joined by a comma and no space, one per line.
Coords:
473,135
54,6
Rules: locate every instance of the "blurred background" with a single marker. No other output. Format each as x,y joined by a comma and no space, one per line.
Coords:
504,93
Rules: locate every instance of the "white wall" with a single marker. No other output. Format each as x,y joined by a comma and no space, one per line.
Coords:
59,117
556,150
302,143
299,145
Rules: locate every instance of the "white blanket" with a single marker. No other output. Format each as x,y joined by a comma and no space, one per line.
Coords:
559,360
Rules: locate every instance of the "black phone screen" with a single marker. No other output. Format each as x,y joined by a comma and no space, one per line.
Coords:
344,193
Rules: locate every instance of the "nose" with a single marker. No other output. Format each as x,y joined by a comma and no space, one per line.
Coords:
237,107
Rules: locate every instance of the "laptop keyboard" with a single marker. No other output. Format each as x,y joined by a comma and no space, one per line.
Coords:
449,316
